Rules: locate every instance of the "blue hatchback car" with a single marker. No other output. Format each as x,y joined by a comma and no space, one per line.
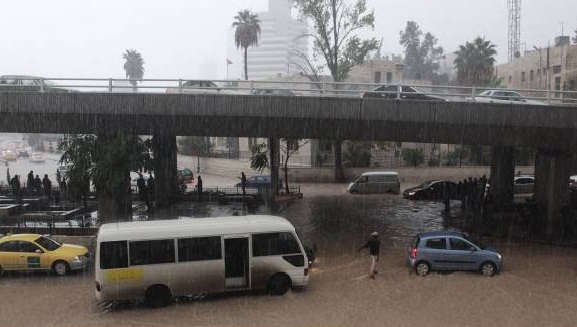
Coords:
449,250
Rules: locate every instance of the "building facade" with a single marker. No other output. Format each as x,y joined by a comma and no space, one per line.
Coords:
546,68
280,39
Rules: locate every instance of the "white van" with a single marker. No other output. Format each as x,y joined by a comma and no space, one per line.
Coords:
376,182
161,259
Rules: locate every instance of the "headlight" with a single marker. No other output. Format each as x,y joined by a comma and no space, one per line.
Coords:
499,256
412,193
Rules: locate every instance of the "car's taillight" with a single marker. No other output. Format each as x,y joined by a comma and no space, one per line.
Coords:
413,253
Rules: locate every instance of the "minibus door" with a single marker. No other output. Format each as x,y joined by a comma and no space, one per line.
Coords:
236,263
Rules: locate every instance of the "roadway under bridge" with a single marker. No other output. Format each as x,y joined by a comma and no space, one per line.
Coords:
552,130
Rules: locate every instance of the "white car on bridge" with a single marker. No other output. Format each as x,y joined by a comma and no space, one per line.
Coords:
201,87
505,96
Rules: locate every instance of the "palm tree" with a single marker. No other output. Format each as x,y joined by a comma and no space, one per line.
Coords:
475,62
134,66
247,33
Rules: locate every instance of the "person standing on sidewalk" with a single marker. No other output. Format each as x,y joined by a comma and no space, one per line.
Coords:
374,245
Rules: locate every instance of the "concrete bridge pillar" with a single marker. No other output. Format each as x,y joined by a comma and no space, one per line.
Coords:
165,168
552,171
502,174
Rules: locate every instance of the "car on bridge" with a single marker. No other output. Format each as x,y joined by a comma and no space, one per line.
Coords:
201,87
406,93
274,92
505,96
23,83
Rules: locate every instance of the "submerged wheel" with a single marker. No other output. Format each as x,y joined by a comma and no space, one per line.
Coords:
158,296
488,269
422,268
60,268
279,284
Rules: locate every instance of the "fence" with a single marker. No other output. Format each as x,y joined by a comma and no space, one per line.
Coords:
296,88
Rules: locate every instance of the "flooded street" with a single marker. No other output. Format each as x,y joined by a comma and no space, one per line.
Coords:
537,287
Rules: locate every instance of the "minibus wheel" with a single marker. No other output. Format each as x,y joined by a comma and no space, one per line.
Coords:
279,284
158,296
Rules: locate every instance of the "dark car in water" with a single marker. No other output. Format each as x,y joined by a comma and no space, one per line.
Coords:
431,190
403,91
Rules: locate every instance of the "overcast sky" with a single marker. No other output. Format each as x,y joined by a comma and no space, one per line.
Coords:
192,38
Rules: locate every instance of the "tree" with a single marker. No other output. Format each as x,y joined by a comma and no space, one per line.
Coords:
106,160
246,34
421,56
259,158
335,24
133,66
475,62
195,145
413,157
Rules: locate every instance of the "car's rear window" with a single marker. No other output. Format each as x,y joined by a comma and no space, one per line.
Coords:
437,243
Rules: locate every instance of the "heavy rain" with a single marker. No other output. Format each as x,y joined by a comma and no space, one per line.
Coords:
288,163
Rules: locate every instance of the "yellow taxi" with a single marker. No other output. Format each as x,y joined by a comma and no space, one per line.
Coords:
28,252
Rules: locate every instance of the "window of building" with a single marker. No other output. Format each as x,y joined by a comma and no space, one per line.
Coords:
522,76
556,69
531,75
389,77
274,244
251,141
538,72
377,77
151,252
510,79
199,248
113,255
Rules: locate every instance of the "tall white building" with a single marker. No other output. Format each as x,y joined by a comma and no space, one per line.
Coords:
280,38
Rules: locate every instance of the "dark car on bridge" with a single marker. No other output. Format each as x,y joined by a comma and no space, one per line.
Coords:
22,83
405,92
431,190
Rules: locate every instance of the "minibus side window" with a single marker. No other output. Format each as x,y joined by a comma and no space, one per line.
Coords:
151,252
199,248
113,255
274,244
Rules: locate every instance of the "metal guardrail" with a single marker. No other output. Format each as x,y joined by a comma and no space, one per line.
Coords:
239,87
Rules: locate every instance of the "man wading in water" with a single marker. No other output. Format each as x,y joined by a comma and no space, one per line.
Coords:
374,245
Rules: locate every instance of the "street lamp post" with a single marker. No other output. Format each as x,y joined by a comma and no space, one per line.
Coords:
540,66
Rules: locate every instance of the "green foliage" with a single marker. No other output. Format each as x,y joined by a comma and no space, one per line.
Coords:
475,62
457,156
104,160
195,145
133,66
413,157
421,54
247,33
335,22
259,159
357,154
433,162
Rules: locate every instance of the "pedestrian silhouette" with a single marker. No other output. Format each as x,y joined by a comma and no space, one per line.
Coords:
374,248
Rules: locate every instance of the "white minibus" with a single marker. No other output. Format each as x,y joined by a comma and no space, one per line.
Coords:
161,259
376,182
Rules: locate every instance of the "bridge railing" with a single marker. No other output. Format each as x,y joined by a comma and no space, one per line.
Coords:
295,86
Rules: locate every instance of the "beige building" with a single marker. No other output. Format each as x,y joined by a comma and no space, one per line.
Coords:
553,68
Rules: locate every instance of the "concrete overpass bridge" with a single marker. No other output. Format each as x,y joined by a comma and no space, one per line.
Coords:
552,130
